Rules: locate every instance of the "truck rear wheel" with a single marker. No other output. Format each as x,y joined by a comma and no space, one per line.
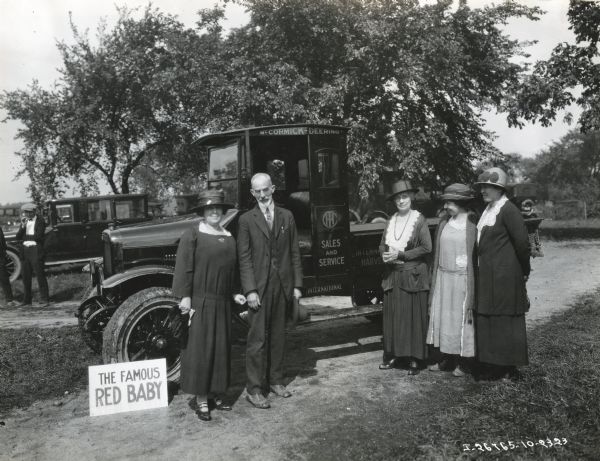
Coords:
140,330
13,265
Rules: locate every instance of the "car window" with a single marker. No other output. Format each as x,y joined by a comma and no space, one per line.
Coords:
130,209
99,210
64,214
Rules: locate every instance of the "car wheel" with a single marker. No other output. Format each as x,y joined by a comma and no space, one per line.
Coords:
92,319
140,330
13,265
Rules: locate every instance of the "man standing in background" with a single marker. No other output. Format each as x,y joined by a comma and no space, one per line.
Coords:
31,233
271,275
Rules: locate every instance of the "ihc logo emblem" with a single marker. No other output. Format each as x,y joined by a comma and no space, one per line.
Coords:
330,219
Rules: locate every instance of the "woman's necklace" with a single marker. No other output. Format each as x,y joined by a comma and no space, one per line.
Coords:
396,236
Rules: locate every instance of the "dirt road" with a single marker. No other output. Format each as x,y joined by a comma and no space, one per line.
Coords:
337,389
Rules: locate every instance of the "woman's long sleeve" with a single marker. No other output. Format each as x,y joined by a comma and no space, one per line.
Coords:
184,266
423,246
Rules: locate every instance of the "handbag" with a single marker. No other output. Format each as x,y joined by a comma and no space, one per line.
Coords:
178,326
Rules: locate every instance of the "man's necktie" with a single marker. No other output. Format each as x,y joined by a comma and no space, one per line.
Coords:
269,218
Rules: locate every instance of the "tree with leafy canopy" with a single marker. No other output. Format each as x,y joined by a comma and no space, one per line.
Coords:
116,104
412,82
554,83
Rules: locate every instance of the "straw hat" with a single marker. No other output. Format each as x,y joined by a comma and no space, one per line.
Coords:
458,192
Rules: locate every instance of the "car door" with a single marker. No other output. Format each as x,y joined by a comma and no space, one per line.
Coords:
65,239
98,215
329,212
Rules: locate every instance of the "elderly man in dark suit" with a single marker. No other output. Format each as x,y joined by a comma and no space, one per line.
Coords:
271,275
32,233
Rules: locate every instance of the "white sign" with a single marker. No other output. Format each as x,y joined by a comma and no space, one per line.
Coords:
128,386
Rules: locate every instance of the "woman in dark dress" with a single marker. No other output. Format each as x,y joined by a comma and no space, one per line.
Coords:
205,280
405,244
503,249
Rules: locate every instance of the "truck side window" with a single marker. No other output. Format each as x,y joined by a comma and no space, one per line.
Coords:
303,174
276,169
328,168
223,170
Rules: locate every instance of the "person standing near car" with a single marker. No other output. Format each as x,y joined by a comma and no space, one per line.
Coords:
205,279
271,276
404,248
4,277
503,249
31,232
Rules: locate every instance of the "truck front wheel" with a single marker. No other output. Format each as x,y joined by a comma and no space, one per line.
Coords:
140,330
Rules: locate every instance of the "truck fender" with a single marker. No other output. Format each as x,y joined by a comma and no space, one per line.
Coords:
136,272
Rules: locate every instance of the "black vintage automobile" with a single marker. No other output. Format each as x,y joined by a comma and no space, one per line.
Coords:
127,315
75,225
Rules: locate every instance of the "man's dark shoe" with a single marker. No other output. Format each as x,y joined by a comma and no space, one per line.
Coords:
25,304
12,303
258,401
44,303
280,391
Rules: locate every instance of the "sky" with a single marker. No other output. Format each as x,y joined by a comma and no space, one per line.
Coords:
30,29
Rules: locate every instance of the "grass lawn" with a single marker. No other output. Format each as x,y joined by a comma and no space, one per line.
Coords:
64,282
40,363
558,397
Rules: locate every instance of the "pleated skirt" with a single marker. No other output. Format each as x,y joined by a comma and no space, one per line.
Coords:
501,339
404,324
206,361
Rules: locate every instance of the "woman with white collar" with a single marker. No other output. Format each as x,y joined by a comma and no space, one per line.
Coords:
404,246
451,327
205,279
503,249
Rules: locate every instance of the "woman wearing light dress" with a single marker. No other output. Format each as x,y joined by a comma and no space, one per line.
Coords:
451,328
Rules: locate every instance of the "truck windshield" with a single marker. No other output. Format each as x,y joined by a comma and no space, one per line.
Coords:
223,168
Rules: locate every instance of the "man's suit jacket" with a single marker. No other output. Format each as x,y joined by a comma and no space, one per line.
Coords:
39,231
259,256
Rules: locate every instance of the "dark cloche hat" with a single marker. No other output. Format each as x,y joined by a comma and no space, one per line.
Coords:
211,197
402,185
457,192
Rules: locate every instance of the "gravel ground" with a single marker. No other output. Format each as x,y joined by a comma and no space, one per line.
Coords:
332,373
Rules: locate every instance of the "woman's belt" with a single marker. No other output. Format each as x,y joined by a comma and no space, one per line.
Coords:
408,265
453,271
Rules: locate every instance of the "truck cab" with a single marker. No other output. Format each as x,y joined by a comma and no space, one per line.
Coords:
127,314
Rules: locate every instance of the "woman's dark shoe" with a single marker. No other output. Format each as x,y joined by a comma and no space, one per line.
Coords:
203,412
218,404
414,368
388,365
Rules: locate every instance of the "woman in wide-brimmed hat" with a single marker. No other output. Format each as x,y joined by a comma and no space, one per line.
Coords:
503,250
205,280
453,282
405,244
